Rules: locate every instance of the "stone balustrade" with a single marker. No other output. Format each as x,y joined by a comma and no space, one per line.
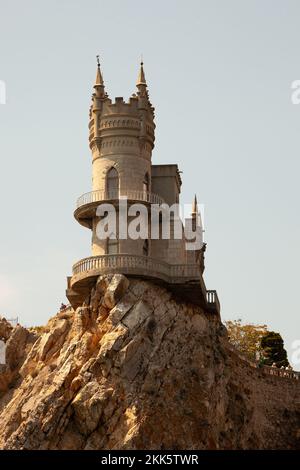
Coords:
135,264
185,280
213,299
132,195
268,370
287,373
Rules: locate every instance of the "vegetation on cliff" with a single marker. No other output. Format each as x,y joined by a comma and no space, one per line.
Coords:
273,349
257,343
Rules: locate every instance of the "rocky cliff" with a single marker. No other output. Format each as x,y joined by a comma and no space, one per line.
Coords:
134,369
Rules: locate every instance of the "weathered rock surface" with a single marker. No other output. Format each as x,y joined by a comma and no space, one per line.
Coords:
5,329
134,369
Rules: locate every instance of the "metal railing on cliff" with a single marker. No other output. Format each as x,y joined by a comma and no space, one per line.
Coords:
268,370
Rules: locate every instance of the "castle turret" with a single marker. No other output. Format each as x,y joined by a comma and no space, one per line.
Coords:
121,139
98,97
121,142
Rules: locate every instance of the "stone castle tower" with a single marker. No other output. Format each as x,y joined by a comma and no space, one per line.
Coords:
121,139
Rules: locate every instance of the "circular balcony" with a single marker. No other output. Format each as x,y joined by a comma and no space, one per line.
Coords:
131,195
133,265
87,203
185,280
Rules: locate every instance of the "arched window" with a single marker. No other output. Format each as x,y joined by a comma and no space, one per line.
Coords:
112,246
146,248
146,183
113,184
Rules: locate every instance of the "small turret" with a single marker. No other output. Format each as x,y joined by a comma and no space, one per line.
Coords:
144,105
99,83
143,94
141,81
98,97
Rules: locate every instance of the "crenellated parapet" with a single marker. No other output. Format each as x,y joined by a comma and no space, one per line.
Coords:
120,125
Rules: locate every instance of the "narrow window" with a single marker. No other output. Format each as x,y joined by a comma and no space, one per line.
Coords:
113,184
146,183
146,248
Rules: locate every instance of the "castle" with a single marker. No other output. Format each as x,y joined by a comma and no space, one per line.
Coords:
121,139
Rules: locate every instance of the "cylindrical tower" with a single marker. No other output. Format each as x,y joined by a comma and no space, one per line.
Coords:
121,141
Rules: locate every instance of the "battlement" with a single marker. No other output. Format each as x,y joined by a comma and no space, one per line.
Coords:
119,106
133,100
120,119
134,105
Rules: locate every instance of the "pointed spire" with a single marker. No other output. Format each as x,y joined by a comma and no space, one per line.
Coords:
142,93
195,206
99,78
141,77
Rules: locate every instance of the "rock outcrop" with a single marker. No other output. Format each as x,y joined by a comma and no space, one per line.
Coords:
134,369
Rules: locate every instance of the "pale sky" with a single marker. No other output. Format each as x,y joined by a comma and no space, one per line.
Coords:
219,75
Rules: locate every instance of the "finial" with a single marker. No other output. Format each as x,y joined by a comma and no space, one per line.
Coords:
98,61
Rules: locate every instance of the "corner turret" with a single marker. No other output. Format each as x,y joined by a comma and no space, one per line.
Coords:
98,97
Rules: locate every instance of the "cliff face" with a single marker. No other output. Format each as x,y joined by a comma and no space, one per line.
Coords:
134,369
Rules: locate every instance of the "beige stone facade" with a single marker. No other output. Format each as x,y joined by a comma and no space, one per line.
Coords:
122,136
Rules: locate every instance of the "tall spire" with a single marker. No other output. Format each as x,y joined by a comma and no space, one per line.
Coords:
141,77
196,216
98,97
99,78
99,83
195,207
143,96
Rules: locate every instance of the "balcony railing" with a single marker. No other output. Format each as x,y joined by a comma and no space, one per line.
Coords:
269,370
98,196
213,299
139,264
182,276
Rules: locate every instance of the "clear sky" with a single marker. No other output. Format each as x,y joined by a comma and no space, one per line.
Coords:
219,75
